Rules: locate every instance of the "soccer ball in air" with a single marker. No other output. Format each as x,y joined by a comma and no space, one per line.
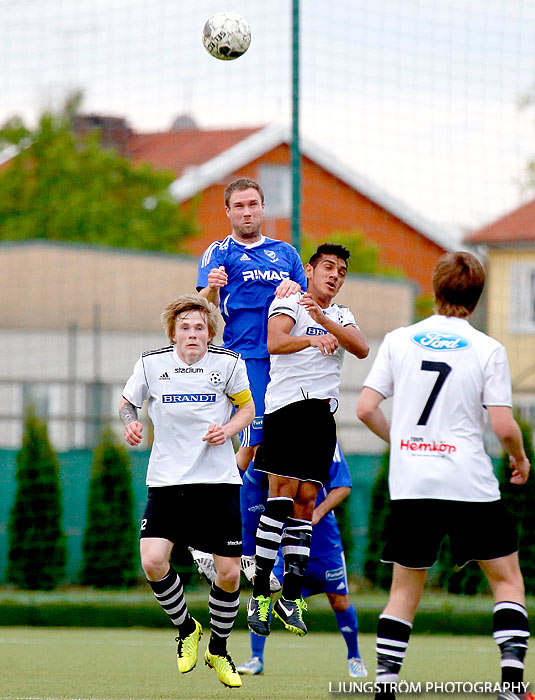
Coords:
226,36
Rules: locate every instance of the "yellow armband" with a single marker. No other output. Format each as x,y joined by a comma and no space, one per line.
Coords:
241,399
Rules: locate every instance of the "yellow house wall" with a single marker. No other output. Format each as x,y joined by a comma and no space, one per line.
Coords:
520,346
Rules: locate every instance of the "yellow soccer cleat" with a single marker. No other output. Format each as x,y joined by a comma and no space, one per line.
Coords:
225,669
187,650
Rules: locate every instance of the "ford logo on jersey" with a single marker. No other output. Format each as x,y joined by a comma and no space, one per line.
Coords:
435,340
312,330
188,398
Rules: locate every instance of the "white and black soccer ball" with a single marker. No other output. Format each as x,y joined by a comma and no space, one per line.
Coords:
215,377
226,36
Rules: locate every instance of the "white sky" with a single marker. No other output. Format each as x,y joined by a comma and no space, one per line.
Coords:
418,96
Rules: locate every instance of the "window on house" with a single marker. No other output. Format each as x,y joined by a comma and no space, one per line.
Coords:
522,300
276,182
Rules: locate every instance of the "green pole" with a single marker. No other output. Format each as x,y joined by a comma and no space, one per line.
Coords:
295,152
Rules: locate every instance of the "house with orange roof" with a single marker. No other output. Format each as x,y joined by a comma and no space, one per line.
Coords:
335,198
510,249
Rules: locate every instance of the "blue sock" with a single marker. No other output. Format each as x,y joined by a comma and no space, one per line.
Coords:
348,626
257,646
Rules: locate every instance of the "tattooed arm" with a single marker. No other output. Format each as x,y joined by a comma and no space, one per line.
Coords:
132,427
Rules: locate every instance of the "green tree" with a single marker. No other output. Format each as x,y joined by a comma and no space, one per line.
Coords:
377,572
110,540
60,185
519,502
364,258
37,549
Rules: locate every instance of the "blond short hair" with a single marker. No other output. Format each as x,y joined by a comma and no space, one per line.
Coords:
184,304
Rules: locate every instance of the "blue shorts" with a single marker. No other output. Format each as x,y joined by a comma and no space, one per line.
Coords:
258,373
322,575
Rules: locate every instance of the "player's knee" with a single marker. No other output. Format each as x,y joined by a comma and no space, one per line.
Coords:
154,566
245,456
304,503
228,576
339,603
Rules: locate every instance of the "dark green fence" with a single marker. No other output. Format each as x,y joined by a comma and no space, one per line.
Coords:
75,470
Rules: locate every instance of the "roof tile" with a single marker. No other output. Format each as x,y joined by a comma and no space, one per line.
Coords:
178,150
516,227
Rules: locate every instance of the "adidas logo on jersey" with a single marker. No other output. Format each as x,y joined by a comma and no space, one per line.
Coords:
164,376
245,257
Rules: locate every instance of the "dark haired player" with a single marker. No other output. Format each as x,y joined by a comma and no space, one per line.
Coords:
307,337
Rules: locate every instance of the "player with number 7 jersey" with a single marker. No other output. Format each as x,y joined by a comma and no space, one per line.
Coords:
445,378
445,372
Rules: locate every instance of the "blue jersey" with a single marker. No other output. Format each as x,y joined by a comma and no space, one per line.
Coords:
325,534
254,272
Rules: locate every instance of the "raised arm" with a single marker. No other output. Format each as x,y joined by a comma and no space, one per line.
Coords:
217,278
133,429
509,434
280,342
350,338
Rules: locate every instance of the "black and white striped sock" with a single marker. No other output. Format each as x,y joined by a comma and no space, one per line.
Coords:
392,642
268,539
295,547
223,608
511,633
169,592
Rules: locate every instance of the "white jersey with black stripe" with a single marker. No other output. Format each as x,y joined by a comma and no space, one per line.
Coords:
442,373
307,374
184,400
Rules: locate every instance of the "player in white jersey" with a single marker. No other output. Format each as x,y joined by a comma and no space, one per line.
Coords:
446,378
307,336
191,387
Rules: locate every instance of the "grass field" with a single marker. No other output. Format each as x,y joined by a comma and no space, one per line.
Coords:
118,664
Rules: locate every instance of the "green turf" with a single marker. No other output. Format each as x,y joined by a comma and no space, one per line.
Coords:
115,664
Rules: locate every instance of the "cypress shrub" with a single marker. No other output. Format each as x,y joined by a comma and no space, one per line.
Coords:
37,550
519,502
377,572
110,552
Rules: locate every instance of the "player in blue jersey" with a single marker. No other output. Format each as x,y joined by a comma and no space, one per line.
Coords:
242,273
326,571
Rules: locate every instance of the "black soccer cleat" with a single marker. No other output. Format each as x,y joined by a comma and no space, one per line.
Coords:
258,615
290,613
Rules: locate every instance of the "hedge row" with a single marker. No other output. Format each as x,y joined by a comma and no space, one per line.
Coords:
107,614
